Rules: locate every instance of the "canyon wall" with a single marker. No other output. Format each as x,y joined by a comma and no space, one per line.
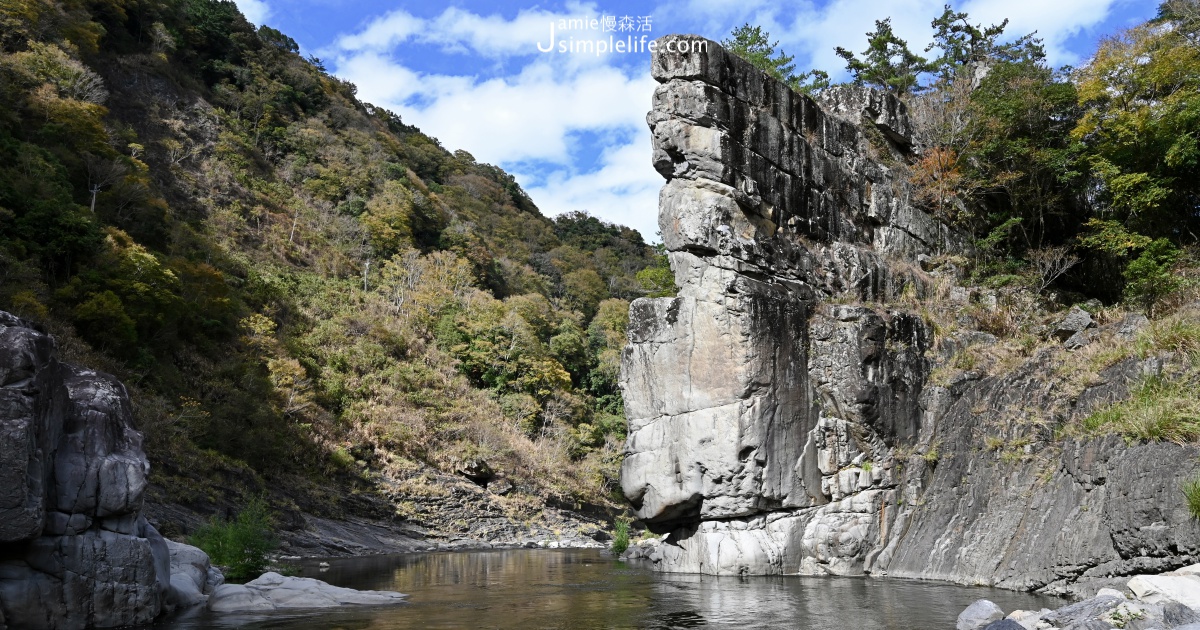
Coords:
781,414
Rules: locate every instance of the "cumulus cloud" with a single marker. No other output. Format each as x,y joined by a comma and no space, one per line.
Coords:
256,11
811,31
458,30
623,190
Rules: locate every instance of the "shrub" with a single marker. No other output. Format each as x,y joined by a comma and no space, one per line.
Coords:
240,545
620,535
1149,277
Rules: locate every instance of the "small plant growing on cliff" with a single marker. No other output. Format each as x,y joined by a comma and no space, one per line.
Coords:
240,545
1191,493
620,535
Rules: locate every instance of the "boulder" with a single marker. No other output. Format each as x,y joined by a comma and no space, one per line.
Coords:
1028,619
978,615
1004,624
1076,321
272,591
1086,613
77,552
1184,589
193,577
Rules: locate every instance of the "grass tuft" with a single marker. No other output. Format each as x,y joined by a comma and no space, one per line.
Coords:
1158,409
1191,493
620,535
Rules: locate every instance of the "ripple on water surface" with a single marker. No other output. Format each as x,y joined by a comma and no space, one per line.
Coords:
524,588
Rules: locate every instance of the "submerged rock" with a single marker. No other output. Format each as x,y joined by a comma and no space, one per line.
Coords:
272,591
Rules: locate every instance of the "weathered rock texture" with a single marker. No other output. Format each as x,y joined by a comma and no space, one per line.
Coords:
774,428
74,549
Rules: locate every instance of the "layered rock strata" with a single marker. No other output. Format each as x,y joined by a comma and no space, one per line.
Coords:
782,419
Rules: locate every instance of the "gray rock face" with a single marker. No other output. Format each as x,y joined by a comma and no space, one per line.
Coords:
76,551
774,428
761,423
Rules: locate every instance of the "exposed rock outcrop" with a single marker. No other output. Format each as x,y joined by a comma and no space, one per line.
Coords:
783,420
75,551
1167,601
272,591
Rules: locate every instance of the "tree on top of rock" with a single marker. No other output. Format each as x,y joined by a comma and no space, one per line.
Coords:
887,62
964,45
754,44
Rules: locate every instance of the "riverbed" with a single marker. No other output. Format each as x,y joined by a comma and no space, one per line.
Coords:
536,588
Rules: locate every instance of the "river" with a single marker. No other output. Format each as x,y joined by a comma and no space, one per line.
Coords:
533,588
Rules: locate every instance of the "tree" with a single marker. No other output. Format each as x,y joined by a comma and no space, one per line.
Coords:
973,47
1140,96
1149,277
887,62
754,44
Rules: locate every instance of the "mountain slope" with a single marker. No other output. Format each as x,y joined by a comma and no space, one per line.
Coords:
304,293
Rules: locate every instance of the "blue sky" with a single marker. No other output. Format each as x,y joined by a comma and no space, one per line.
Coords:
571,126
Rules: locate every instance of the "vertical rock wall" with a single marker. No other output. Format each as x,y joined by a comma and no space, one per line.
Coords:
774,427
75,551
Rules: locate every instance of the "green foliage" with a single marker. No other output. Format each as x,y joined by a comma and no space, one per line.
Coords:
305,270
887,62
620,535
658,280
1149,277
754,44
240,546
1191,496
1140,96
966,46
1159,409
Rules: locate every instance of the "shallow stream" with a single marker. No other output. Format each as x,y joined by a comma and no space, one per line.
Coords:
529,588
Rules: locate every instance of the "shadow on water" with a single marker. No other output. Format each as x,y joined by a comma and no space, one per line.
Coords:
586,589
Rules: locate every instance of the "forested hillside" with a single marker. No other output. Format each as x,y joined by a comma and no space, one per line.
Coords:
300,290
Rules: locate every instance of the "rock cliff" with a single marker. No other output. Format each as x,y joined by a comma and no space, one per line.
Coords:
75,551
782,418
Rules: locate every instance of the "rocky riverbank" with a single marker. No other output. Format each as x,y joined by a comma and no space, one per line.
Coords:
76,547
1157,601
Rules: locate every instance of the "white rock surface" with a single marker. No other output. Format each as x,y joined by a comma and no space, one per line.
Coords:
272,591
1156,589
193,577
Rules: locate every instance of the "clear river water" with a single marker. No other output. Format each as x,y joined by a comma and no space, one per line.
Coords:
533,588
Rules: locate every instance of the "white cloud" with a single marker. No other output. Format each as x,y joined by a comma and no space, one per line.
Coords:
458,30
505,120
623,190
256,11
1055,22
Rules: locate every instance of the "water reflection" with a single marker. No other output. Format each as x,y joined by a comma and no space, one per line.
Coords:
585,589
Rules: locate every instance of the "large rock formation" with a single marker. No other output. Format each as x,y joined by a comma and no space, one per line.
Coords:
781,418
75,551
